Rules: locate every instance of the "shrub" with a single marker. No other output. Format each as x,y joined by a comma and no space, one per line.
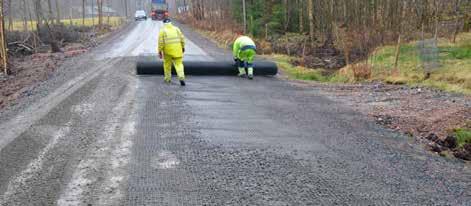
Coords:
361,71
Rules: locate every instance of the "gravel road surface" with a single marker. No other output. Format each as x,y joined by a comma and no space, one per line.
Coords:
97,134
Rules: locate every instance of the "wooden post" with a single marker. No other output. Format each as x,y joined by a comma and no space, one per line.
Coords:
3,46
399,38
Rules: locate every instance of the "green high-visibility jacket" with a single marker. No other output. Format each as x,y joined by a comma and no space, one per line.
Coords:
244,49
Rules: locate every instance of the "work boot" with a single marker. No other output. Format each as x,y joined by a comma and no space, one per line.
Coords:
250,71
242,72
182,83
242,75
167,81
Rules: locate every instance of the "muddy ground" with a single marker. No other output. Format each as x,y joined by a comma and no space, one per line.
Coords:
418,112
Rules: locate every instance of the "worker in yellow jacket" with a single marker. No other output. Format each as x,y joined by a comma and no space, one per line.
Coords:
244,51
171,48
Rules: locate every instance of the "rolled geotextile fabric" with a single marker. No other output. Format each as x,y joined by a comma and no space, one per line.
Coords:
206,68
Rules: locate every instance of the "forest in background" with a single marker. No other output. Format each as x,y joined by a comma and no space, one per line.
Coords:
32,26
378,38
356,26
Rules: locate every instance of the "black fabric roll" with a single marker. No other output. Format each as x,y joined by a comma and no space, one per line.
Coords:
203,68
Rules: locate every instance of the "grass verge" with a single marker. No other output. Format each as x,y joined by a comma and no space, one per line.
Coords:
112,20
303,73
453,74
463,136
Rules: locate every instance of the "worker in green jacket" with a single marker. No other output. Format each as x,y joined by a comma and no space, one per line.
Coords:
244,51
171,48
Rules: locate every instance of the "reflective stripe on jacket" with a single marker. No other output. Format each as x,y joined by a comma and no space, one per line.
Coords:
171,41
244,48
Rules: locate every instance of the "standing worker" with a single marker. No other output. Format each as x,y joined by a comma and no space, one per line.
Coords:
244,51
171,49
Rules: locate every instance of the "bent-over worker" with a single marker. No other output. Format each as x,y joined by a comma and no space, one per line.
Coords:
244,51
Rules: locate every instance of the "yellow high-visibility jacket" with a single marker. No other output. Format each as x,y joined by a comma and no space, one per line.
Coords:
244,49
171,41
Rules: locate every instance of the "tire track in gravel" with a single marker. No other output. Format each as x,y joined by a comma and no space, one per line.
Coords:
100,175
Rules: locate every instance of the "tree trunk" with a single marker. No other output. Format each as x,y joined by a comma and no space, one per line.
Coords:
51,15
52,42
93,13
301,16
399,38
311,21
100,13
3,46
35,44
108,14
10,16
38,13
83,12
457,21
245,16
126,8
25,16
435,36
70,13
286,15
58,12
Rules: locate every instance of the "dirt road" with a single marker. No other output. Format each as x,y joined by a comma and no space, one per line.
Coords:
96,134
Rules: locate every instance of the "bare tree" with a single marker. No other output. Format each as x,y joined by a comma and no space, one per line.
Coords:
301,16
125,8
100,13
25,16
58,12
83,12
3,46
40,17
311,21
51,14
457,19
10,15
399,38
245,16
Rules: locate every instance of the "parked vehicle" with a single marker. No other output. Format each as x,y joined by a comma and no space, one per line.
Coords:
140,15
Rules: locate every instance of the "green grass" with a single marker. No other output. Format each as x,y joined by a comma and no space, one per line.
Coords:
454,73
463,136
113,21
303,73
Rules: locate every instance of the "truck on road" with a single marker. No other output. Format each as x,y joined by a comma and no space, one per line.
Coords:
159,10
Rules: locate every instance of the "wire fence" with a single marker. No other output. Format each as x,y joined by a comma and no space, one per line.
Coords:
428,55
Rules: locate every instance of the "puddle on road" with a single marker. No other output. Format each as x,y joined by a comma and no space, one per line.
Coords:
165,160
